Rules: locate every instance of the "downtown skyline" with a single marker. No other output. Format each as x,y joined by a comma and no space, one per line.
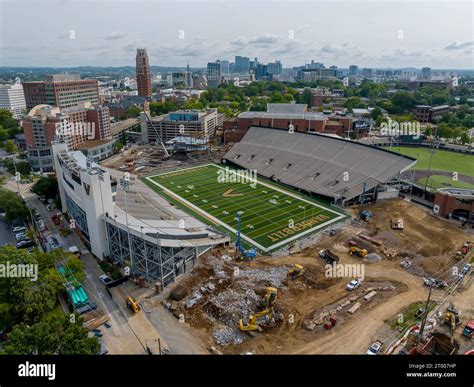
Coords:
370,34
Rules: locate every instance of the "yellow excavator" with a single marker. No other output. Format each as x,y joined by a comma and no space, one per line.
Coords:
358,252
133,305
295,271
251,324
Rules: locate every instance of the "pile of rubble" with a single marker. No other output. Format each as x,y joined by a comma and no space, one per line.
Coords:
411,267
229,306
273,276
226,336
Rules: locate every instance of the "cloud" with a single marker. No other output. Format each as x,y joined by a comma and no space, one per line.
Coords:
460,45
344,49
265,40
114,36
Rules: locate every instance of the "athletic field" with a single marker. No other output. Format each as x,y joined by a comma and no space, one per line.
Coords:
271,216
443,164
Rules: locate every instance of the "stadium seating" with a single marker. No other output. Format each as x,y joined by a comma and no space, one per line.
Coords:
316,163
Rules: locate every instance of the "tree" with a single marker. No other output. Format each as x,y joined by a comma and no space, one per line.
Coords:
46,186
13,206
118,146
55,335
465,138
10,147
134,111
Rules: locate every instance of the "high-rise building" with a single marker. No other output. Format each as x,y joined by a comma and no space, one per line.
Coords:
426,72
143,73
13,99
275,68
225,67
366,72
62,91
242,65
213,74
353,69
261,71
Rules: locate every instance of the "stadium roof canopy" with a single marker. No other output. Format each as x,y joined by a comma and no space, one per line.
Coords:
328,166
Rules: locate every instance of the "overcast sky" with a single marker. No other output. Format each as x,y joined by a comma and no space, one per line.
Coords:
437,34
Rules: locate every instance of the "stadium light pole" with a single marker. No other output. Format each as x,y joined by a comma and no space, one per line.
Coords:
126,184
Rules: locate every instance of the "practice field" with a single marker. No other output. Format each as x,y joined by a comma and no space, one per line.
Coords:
271,216
443,165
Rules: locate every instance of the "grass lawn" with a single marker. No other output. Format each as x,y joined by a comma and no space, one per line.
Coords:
271,215
442,160
439,181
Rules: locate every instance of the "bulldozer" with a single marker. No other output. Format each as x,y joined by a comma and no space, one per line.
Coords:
133,305
295,271
251,324
358,252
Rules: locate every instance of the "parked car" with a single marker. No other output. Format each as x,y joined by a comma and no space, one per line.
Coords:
49,207
105,279
375,348
466,268
354,284
19,229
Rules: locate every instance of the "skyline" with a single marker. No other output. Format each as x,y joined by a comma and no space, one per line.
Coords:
365,33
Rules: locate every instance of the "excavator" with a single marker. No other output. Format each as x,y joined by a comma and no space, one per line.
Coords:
358,252
452,318
295,271
133,305
251,324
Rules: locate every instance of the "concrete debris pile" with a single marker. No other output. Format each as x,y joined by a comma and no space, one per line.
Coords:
411,267
226,336
273,276
230,306
372,257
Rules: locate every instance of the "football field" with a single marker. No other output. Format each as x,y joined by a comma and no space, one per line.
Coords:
271,216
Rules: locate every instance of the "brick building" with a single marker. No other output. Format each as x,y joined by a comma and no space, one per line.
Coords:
455,203
425,113
62,90
281,116
143,73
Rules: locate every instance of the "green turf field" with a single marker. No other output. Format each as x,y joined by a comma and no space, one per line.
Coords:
442,160
271,216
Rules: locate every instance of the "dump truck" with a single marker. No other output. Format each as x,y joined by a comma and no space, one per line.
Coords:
329,256
358,252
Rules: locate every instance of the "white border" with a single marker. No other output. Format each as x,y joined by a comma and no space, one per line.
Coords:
225,225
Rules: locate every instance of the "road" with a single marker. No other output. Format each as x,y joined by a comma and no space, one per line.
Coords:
6,234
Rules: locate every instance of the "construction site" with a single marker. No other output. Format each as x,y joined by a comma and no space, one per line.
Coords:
367,280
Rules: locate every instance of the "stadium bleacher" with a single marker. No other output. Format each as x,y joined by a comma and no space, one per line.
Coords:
324,165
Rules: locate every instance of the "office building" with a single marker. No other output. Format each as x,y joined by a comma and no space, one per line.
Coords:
275,68
213,74
225,67
13,99
143,73
242,65
62,91
353,69
426,73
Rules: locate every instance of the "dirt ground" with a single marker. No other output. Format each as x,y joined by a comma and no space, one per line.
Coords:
222,289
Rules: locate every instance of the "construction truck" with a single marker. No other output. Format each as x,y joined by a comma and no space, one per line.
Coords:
330,257
358,252
468,329
295,271
252,323
133,305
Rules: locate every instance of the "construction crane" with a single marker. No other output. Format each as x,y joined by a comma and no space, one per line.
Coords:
158,138
245,254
